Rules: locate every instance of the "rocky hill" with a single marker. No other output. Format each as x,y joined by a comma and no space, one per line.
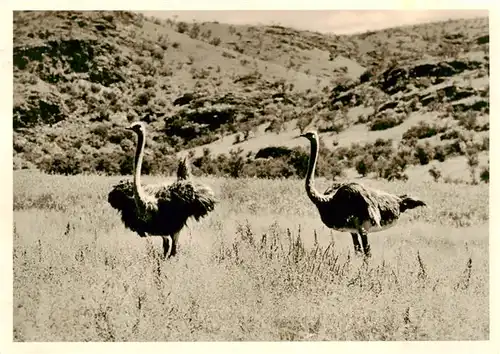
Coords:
235,97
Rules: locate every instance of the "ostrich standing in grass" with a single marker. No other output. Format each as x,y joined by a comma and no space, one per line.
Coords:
353,207
160,209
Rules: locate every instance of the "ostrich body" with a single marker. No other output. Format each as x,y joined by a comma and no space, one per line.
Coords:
353,207
160,209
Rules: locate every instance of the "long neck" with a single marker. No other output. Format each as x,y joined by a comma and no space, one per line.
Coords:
312,193
139,194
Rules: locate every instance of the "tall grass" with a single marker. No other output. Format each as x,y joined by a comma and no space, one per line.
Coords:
261,267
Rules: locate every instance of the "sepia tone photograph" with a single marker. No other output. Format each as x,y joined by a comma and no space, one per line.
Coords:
243,175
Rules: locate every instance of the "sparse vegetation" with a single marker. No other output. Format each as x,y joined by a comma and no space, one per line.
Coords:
249,271
262,266
386,121
485,174
421,131
89,82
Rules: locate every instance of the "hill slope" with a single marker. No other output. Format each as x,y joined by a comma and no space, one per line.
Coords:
79,77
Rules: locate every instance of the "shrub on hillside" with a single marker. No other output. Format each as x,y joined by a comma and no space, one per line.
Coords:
235,163
366,76
363,118
421,131
452,134
299,160
381,147
389,169
182,27
335,127
215,41
364,164
274,152
424,153
268,168
387,120
454,148
439,153
101,130
403,157
435,173
61,163
467,119
485,174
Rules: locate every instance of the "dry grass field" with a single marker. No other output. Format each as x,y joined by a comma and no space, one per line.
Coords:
261,267
405,110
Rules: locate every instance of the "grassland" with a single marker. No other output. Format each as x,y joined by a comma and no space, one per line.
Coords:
261,267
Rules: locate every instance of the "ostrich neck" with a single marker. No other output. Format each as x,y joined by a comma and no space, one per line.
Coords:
312,193
139,194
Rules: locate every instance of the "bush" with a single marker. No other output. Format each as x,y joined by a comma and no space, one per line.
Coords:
424,153
66,164
274,152
435,173
215,41
451,134
182,27
439,153
468,120
102,131
389,169
364,165
366,76
387,121
485,174
421,131
271,168
195,31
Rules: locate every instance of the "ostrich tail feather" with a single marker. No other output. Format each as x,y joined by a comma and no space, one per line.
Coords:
183,170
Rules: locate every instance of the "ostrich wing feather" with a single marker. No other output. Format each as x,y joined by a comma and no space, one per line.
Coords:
383,207
192,198
353,199
333,188
121,198
176,202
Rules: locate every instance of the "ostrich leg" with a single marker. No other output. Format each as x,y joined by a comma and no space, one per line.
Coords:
167,246
174,244
364,241
355,241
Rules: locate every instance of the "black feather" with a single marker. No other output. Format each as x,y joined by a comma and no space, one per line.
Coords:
183,170
176,203
163,209
121,198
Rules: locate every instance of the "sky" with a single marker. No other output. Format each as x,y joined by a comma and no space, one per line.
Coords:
332,21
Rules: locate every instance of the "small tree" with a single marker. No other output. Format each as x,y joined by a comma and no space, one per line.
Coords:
364,165
472,162
485,174
424,153
435,173
236,163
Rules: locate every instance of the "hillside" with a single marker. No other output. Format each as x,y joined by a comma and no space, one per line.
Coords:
235,97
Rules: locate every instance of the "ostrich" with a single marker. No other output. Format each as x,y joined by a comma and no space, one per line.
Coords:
160,209
353,207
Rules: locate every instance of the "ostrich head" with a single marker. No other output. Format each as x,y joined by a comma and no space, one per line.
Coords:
410,203
138,127
310,135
